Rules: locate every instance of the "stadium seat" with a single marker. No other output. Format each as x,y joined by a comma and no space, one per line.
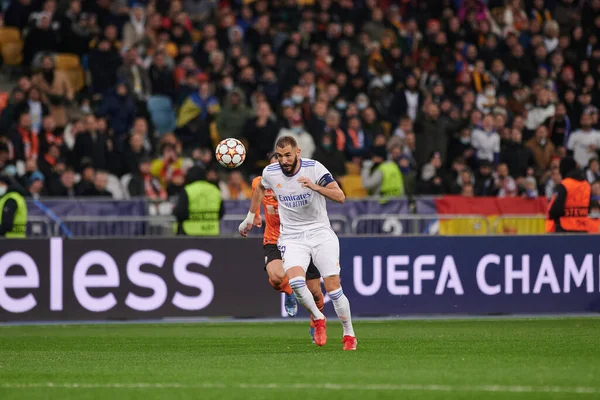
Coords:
352,186
352,168
70,65
162,114
9,34
12,53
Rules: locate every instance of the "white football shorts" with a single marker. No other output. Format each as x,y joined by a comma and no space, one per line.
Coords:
322,245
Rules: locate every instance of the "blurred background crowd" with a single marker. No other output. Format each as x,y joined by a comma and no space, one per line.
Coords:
121,98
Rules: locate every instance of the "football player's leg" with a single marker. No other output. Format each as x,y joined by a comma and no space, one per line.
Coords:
313,281
296,257
277,278
274,268
326,256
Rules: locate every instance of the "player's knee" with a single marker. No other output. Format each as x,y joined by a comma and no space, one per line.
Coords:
332,283
298,283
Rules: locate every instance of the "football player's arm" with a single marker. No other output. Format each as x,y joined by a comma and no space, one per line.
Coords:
332,191
257,197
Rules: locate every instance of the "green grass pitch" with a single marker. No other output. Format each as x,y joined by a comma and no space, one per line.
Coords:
542,358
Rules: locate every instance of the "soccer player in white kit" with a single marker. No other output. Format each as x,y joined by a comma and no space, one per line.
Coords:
301,187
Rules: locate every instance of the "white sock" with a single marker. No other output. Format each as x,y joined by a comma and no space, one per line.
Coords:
305,297
342,309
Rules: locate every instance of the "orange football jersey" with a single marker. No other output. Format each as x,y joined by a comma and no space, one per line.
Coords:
271,214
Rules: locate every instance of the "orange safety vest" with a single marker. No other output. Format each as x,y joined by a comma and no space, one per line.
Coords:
577,205
594,225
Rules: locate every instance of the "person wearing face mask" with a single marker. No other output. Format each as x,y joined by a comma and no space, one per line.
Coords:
328,155
297,131
13,210
487,99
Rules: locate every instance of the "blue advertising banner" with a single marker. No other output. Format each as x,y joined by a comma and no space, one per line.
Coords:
79,279
466,275
470,275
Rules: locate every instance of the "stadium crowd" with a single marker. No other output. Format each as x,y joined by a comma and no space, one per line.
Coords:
470,97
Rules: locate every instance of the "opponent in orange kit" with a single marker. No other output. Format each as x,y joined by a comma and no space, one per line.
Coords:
273,262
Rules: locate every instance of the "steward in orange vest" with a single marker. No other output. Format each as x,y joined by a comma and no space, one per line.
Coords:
569,208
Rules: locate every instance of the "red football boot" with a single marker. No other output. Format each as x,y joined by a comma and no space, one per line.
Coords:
349,342
320,332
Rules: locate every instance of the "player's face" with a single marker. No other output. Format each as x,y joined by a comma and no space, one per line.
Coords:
288,159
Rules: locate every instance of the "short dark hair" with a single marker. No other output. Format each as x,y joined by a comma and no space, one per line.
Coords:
286,141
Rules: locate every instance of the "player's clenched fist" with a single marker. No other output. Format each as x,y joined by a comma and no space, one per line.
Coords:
307,183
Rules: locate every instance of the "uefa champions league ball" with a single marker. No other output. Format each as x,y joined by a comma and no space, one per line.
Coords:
230,153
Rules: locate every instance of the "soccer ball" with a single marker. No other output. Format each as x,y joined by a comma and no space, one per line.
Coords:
230,153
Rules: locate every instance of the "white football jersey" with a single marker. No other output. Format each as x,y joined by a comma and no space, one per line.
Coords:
300,209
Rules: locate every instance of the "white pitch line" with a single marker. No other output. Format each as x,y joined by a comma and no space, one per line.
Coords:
316,386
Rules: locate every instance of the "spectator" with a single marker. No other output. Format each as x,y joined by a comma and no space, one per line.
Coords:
484,181
162,168
429,134
41,38
90,144
332,127
49,162
65,185
99,187
486,141
541,111
161,77
104,61
236,187
408,101
11,112
133,74
119,108
143,184
504,183
25,143
134,153
517,157
37,109
303,138
560,126
56,88
592,172
543,150
177,184
260,132
357,140
531,189
434,179
134,30
195,116
233,116
328,155
35,187
584,142
405,126
461,147
552,183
